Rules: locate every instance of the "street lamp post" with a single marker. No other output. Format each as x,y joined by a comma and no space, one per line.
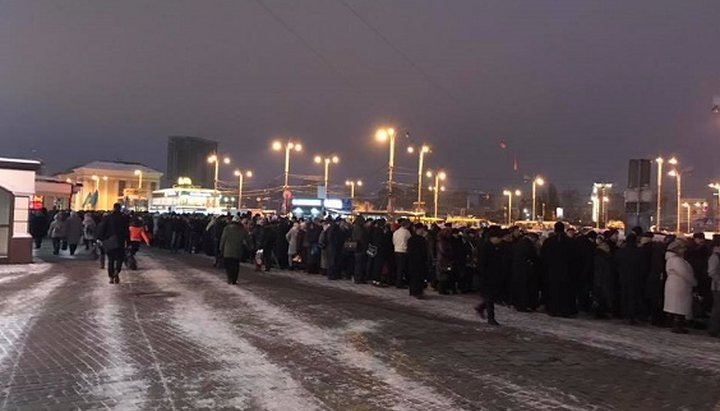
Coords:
716,187
537,181
215,159
678,180
424,149
509,195
658,210
289,147
240,175
437,188
352,185
687,206
326,161
385,135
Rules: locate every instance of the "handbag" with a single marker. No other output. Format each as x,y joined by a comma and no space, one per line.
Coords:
111,243
372,251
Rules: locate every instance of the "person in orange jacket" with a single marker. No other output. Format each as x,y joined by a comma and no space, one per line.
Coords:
138,235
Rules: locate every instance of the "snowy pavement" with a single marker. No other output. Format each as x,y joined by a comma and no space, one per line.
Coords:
174,335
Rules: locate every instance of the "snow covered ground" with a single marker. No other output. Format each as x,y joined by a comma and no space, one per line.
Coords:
174,335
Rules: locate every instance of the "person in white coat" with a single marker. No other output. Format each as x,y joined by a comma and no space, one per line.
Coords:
73,231
292,238
714,273
679,285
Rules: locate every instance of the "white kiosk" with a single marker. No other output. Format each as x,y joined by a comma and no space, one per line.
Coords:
17,186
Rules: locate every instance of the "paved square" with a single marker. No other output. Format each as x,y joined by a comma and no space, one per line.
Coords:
174,335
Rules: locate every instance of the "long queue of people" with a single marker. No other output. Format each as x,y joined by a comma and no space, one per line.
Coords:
666,281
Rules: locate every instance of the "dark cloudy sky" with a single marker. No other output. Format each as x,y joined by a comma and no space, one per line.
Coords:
574,87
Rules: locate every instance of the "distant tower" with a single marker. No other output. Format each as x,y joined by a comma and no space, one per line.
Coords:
187,157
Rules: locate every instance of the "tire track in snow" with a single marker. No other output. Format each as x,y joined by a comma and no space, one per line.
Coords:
259,381
656,346
12,273
410,394
526,396
121,375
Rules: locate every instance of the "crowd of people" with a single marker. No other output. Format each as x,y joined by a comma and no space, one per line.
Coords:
640,278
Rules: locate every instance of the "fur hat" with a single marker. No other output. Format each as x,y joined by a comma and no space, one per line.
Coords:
678,246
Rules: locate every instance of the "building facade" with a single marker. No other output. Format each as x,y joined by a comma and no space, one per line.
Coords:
104,183
17,186
53,193
187,157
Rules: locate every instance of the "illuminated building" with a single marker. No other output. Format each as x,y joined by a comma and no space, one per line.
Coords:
105,183
17,186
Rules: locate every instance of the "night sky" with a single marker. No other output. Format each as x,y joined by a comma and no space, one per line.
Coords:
575,88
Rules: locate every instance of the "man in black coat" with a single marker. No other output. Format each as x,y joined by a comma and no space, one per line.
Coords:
697,255
492,268
361,237
655,282
114,232
586,262
39,224
418,260
524,274
281,243
557,255
631,269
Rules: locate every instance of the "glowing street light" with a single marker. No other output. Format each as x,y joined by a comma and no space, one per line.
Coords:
537,181
383,135
687,206
333,159
422,151
658,210
352,185
678,180
509,194
240,175
437,188
215,159
289,147
716,187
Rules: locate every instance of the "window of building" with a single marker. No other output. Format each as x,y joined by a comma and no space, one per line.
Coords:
153,186
21,216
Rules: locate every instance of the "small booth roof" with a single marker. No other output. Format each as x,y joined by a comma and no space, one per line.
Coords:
19,164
